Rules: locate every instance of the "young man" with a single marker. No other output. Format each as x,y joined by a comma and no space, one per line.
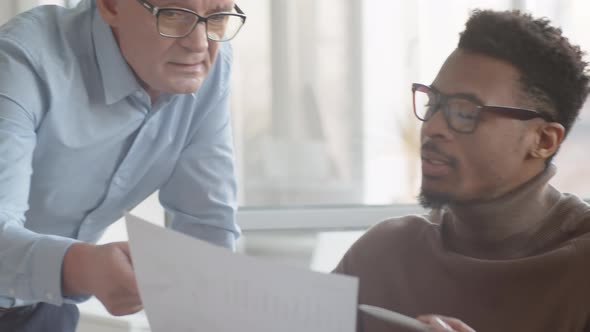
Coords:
100,106
502,250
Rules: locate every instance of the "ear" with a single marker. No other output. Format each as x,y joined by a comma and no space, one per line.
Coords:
548,139
108,10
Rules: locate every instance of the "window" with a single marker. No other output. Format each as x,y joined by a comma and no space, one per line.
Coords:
329,118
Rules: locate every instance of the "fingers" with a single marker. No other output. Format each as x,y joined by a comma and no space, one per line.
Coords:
116,286
124,309
128,283
124,247
445,324
457,324
436,323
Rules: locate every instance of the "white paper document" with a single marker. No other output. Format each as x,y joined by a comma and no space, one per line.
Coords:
190,285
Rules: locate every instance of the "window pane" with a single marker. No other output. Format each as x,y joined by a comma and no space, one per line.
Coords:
297,102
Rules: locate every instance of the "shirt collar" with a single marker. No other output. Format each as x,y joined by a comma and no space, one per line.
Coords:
118,79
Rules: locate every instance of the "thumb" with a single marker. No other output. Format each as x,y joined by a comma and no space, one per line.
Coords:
123,251
440,325
435,323
124,247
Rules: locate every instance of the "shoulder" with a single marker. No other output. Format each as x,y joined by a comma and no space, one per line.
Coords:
48,32
573,214
223,63
226,54
394,231
22,41
41,49
33,29
394,236
580,231
217,84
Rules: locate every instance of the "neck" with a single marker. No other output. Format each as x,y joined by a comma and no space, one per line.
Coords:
505,226
153,95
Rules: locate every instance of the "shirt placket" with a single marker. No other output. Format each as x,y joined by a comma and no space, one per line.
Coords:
123,180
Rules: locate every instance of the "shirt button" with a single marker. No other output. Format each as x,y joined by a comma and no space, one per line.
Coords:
117,180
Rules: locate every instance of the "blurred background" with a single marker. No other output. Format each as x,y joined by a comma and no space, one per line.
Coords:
326,142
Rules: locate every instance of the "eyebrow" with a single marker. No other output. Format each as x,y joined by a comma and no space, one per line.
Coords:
463,95
221,8
165,3
216,9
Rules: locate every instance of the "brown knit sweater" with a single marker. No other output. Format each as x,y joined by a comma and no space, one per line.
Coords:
520,263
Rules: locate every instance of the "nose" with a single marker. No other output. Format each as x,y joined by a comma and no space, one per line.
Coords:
437,127
196,41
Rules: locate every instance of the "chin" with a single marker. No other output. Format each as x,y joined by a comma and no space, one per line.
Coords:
180,90
435,193
187,87
430,199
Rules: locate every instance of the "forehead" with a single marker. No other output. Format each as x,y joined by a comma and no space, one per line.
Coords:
200,6
491,80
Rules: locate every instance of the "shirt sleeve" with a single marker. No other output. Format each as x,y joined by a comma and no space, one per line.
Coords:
200,195
30,263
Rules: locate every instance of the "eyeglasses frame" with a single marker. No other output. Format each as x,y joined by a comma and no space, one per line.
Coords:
155,11
507,111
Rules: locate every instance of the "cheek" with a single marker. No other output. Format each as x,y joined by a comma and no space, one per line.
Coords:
133,44
143,41
491,160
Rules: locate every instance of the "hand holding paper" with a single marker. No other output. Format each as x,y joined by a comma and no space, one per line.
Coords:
189,285
104,271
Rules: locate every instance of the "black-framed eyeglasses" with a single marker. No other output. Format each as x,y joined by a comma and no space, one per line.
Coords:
462,111
176,22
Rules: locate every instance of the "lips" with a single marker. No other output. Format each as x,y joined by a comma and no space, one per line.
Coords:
186,63
188,67
435,164
435,158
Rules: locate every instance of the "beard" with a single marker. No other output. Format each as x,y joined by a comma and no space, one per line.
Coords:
433,200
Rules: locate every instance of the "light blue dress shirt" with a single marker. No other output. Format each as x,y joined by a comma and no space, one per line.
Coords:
80,143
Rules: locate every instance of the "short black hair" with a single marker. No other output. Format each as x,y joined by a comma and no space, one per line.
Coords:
553,72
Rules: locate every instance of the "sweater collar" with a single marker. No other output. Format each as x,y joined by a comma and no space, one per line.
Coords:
507,227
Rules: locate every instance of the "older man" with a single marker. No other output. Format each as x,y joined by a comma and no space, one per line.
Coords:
502,249
100,106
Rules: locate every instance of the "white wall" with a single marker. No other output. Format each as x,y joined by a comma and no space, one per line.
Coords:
6,10
9,8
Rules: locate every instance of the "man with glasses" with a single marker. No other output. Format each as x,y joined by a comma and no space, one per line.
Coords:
100,106
501,249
